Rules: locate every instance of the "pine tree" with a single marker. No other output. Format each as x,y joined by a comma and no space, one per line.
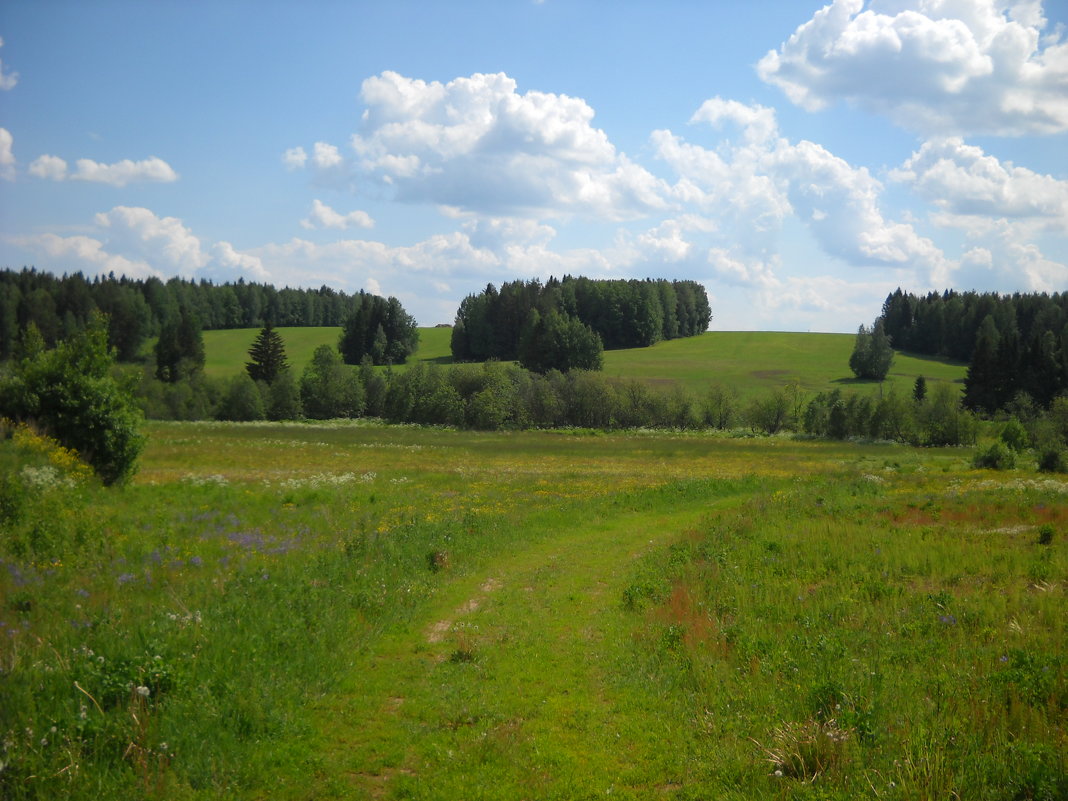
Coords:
919,389
268,354
984,373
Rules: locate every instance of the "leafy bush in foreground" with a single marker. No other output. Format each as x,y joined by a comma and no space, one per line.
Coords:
69,393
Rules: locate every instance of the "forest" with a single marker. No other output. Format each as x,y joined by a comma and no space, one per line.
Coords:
139,308
493,324
1016,345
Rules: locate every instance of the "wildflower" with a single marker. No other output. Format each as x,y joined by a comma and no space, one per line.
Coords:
143,691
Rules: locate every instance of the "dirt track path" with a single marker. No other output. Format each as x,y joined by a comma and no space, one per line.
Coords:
509,687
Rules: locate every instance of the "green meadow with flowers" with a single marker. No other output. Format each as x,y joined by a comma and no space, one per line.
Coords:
353,610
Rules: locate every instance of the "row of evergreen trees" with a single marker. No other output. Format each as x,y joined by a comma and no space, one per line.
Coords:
494,324
139,308
1013,343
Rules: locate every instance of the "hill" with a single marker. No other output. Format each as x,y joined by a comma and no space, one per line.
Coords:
227,351
750,361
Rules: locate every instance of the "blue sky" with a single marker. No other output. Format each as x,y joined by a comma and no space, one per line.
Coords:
799,160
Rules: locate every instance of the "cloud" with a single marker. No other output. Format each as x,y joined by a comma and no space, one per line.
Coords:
228,264
138,243
936,66
164,242
757,123
753,182
478,145
961,179
7,157
85,254
124,172
7,79
52,168
322,216
325,156
295,158
118,174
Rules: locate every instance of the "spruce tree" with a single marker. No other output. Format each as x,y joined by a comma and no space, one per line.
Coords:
984,372
268,354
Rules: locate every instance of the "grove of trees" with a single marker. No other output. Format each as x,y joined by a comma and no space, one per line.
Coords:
138,309
623,314
380,328
1015,344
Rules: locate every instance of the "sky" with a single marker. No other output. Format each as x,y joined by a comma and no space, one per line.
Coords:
800,160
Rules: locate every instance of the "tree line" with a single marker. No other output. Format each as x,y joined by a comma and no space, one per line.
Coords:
496,396
1014,344
501,324
138,309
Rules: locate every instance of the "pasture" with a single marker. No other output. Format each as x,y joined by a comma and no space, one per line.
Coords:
352,610
750,361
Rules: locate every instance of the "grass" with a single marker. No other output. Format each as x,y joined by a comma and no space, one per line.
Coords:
752,362
225,352
757,361
349,610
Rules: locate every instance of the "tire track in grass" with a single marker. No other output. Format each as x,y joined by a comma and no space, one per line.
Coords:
505,689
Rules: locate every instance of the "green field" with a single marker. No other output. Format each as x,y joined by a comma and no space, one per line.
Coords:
752,362
225,352
351,610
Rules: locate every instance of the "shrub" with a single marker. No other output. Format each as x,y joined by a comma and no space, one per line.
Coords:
1053,459
69,393
996,457
1045,534
242,402
1014,435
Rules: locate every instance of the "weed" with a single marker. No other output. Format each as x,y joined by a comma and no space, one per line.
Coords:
808,749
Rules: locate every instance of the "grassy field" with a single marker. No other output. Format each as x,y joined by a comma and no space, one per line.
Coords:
752,362
225,352
351,610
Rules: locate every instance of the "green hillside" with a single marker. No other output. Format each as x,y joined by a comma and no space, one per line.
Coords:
753,361
227,351
750,361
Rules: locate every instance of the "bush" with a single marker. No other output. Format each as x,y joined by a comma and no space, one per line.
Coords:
328,388
1053,459
242,402
997,457
1014,435
70,394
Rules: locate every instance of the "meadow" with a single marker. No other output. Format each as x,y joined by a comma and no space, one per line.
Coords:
353,610
753,362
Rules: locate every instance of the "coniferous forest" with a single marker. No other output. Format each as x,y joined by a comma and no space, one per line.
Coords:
140,308
1016,345
496,324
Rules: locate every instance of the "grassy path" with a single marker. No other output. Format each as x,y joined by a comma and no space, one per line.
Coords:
509,688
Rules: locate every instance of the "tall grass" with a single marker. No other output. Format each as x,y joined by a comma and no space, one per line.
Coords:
666,614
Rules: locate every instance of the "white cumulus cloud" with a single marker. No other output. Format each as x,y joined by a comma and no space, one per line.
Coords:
325,156
124,172
7,157
322,216
757,179
120,173
7,79
52,168
295,158
934,66
477,144
85,254
961,179
164,242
